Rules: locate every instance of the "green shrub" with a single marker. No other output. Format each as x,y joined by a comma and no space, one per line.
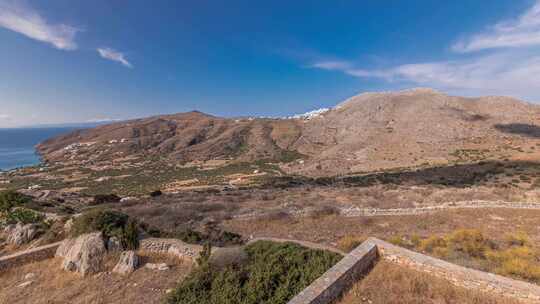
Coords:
156,193
110,223
190,236
272,274
10,199
24,216
106,198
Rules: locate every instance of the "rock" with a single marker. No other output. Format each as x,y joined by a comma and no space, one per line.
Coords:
29,276
25,284
160,266
83,254
127,199
68,225
114,244
129,261
20,234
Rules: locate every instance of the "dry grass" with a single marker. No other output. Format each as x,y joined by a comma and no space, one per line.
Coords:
514,257
388,283
51,285
348,242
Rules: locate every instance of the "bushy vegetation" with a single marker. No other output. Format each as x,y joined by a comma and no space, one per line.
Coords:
23,216
272,274
106,198
514,258
215,237
10,199
110,223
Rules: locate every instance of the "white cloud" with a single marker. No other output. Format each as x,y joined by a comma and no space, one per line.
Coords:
332,65
113,55
510,71
521,32
5,117
20,18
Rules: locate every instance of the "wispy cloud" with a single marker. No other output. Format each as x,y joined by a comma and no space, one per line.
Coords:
521,32
5,117
332,65
21,18
511,71
113,55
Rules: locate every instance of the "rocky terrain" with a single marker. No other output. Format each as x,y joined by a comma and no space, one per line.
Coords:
410,167
371,131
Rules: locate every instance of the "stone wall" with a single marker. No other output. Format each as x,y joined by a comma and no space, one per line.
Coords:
331,285
28,256
339,278
173,247
458,275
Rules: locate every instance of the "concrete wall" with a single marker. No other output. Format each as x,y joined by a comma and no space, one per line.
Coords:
339,278
28,256
458,275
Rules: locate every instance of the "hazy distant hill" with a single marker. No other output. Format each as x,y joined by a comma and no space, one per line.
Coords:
367,132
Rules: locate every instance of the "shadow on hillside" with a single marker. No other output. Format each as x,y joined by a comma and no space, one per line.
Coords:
520,129
461,175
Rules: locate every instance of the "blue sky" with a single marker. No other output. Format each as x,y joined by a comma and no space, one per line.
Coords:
80,61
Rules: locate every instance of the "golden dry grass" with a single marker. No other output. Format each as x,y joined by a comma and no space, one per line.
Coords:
388,283
51,285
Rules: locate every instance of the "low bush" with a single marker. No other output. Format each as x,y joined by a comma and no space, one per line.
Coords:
216,237
156,193
23,216
110,223
106,198
272,274
10,199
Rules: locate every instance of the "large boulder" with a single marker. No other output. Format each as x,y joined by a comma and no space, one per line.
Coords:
128,262
20,234
84,254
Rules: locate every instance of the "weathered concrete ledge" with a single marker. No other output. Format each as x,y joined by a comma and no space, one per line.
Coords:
339,278
458,275
28,256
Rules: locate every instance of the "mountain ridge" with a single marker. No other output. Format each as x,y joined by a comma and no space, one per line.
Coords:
369,131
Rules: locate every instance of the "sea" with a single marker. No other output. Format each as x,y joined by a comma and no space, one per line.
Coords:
17,146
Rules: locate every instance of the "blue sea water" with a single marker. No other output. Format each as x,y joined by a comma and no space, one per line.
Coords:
17,145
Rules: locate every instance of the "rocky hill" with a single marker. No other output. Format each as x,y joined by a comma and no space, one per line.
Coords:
371,131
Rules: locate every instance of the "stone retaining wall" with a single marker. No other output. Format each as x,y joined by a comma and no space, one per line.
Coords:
458,275
173,247
331,285
28,256
339,278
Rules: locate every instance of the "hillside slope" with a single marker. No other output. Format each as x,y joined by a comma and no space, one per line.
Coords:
367,132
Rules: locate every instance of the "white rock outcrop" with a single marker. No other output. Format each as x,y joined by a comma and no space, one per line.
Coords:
128,262
20,234
83,254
